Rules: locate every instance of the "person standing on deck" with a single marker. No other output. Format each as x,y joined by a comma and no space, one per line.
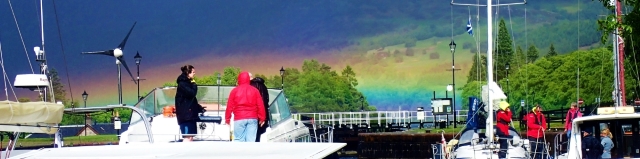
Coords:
591,147
504,118
537,125
607,143
247,107
187,107
264,93
573,113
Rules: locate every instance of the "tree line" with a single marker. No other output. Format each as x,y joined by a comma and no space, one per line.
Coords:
552,80
314,88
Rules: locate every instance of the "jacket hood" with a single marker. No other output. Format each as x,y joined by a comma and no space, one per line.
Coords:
534,110
503,105
258,80
243,78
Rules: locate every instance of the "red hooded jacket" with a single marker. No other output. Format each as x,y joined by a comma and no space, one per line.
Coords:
536,123
244,101
572,114
503,118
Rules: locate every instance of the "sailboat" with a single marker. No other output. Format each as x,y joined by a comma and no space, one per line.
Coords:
30,117
472,143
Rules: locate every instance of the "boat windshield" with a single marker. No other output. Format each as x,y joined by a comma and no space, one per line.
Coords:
212,97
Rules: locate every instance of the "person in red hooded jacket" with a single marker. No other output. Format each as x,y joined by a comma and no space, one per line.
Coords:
248,110
573,113
504,119
536,124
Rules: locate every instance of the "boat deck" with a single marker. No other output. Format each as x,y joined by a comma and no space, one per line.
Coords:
203,149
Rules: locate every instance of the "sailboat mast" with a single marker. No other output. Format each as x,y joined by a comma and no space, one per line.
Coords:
620,50
489,70
42,58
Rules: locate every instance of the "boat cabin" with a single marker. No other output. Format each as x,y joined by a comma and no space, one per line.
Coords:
623,123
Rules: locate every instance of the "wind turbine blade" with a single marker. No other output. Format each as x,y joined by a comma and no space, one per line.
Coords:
124,42
108,52
127,67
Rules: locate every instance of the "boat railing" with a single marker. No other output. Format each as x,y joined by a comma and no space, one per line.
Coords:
534,146
557,144
324,136
380,118
513,142
438,151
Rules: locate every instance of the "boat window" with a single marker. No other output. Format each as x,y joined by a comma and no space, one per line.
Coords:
274,113
209,96
279,109
624,137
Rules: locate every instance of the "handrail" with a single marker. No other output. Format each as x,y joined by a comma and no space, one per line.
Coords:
143,117
557,144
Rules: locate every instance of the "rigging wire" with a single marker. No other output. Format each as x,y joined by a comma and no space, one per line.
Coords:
495,43
578,66
513,37
601,82
5,77
528,58
478,57
21,38
23,44
64,56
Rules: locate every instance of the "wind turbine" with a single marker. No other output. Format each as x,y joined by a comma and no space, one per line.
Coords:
117,53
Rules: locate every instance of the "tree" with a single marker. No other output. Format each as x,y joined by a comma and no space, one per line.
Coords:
350,76
610,23
58,88
519,60
532,54
72,119
230,76
316,88
555,86
504,50
552,51
478,70
629,25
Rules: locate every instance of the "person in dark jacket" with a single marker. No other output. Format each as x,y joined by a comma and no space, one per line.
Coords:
591,147
187,107
248,110
504,118
537,125
264,93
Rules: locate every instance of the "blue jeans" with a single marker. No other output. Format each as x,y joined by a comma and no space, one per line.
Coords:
188,129
245,130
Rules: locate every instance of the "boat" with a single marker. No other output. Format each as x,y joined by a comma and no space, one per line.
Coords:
621,119
473,142
151,134
623,123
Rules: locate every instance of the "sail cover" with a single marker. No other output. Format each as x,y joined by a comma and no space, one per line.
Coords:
17,116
